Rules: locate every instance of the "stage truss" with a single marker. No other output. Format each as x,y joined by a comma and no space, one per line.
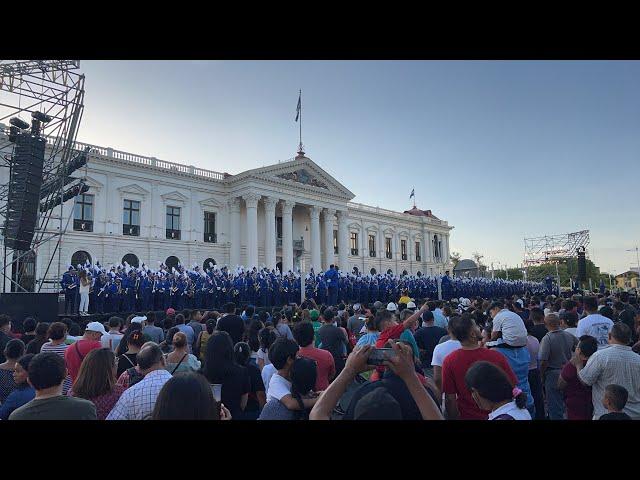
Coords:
547,249
55,88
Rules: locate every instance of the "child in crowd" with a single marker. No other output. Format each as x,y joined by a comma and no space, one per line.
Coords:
615,398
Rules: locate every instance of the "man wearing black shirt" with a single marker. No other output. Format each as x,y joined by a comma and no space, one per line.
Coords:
539,329
231,323
427,338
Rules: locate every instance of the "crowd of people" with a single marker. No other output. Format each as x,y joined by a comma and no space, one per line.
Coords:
518,357
122,288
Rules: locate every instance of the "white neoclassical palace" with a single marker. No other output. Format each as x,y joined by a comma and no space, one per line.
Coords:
290,215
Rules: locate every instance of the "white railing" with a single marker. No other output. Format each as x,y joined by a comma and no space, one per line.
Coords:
383,211
139,159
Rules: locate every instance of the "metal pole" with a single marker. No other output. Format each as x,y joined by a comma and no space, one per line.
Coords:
558,275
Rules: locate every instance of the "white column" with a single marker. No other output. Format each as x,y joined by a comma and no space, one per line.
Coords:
270,232
343,241
287,235
328,237
316,262
234,230
445,247
252,229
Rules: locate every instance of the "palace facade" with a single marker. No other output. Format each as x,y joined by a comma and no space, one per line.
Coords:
289,215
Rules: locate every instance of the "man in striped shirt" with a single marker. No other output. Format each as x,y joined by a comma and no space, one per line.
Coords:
138,401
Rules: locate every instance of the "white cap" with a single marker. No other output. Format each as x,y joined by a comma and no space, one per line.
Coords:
411,305
96,327
138,319
392,307
356,307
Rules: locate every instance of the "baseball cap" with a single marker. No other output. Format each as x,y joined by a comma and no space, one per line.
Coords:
520,302
170,311
96,327
378,305
138,319
377,405
392,307
411,306
356,307
314,314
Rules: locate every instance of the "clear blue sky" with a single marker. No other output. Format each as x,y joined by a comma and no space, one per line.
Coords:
503,150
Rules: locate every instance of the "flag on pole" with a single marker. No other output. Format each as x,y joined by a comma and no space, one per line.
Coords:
299,107
413,193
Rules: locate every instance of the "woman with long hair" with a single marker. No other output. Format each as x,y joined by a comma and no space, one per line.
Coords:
85,285
167,345
266,338
493,391
257,395
220,368
35,345
96,381
188,396
180,360
251,337
57,344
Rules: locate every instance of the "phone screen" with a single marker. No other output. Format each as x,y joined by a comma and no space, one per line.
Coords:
379,355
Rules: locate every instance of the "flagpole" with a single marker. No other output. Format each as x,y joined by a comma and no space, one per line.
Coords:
414,197
300,146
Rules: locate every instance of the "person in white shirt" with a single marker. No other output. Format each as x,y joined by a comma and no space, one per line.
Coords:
508,327
112,338
283,353
491,389
138,401
568,322
439,353
595,325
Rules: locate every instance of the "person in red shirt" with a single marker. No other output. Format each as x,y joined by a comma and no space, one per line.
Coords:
387,324
74,354
458,400
577,396
325,365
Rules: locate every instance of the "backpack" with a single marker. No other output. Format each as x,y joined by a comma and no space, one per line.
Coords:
134,376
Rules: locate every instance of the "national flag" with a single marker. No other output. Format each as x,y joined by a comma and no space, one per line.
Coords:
413,193
299,107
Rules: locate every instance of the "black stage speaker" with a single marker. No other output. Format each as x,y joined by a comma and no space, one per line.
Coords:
582,265
41,306
24,191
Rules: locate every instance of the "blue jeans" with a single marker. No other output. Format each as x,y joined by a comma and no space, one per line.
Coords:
555,400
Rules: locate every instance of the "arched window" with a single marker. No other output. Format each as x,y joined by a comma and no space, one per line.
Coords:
436,247
279,266
131,259
79,258
208,263
372,271
404,272
389,272
419,273
355,270
171,262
